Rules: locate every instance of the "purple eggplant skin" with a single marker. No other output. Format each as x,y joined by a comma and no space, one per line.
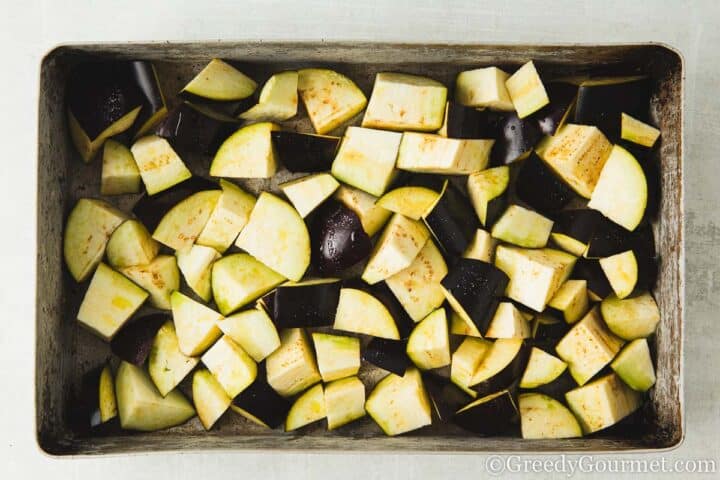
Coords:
477,286
196,129
589,269
134,341
337,238
492,417
306,305
150,209
609,239
465,122
540,188
517,137
387,354
83,413
578,224
262,401
404,323
99,93
446,397
547,330
562,99
154,100
452,221
508,376
558,387
602,105
303,152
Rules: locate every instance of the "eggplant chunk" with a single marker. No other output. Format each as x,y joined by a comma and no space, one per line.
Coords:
573,229
159,278
220,81
338,239
239,279
344,401
307,193
372,216
247,153
526,90
633,130
516,137
376,321
308,408
228,218
429,343
400,404
489,415
522,227
231,366
134,341
304,152
461,122
160,166
167,365
261,404
253,330
209,397
311,303
330,98
538,186
430,153
278,99
410,201
292,367
488,193
501,366
542,368
544,417
484,88
120,173
337,356
634,365
195,128
131,244
591,271
196,267
451,221
562,100
631,318
195,324
602,403
387,354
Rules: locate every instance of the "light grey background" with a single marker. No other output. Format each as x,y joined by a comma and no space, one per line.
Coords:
30,28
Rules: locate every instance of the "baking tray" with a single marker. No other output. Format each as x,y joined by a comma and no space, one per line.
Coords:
64,351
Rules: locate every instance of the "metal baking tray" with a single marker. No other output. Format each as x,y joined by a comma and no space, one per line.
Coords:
64,351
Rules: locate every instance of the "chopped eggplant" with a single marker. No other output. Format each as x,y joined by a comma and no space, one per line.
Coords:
588,347
239,279
542,368
446,397
570,303
141,407
538,186
183,223
601,102
311,303
399,244
308,408
253,331
631,318
220,81
501,366
195,128
405,102
400,404
633,130
387,354
307,193
337,356
120,173
160,166
372,216
610,238
130,245
522,227
292,368
577,154
261,404
547,329
159,278
535,275
196,267
465,361
94,410
516,137
634,365
134,341
233,368
109,302
430,153
304,152
458,326
508,322
622,271
278,99
482,247
602,403
87,232
411,202
338,239
344,401
429,343
451,221
590,270
209,397
167,365
526,90
375,321
277,236
195,324
573,229
228,218
488,193
330,98
562,101
472,288
544,417
382,292
461,122
483,87
247,153
492,414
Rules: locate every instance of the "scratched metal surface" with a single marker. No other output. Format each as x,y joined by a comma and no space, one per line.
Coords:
62,179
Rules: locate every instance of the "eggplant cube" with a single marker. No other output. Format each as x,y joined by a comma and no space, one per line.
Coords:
134,341
87,232
366,159
239,279
487,190
183,223
376,319
230,215
253,331
337,356
633,130
131,244
304,152
344,401
141,407
247,153
195,324
160,278
488,415
634,365
542,368
387,354
429,153
544,417
220,81
261,404
571,301
120,173
535,274
234,369
196,267
588,347
411,201
405,102
417,287
277,236
311,303
631,318
429,343
602,403
160,167
330,98
167,365
109,302
451,221
307,193
400,404
577,154
484,88
308,408
482,247
466,359
522,227
508,322
372,216
501,366
209,397
398,246
291,368
278,99
526,90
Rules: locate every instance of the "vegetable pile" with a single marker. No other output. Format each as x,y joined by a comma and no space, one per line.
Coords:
489,251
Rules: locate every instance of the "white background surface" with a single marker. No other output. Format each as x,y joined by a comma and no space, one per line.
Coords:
29,28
